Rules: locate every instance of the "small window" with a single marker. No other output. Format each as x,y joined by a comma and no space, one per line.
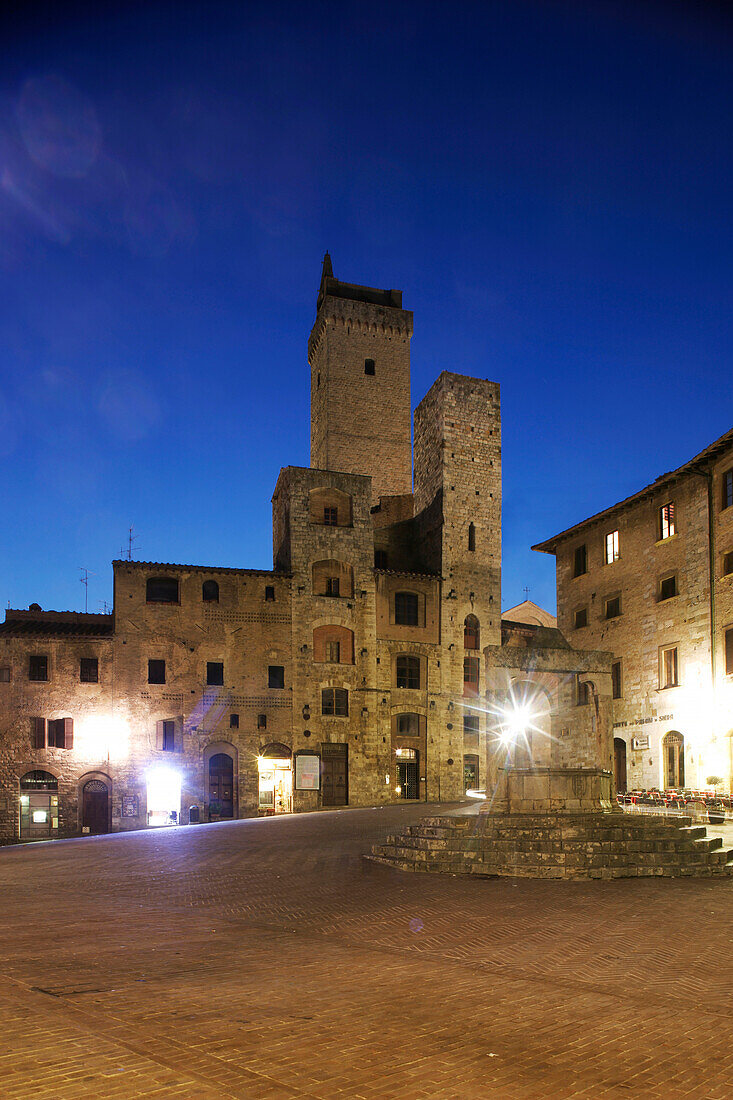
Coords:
471,633
613,607
580,561
727,501
581,618
331,517
380,559
471,724
161,590
668,587
169,735
332,652
335,701
667,526
471,537
38,669
408,725
210,592
406,608
276,676
269,592
727,564
582,692
669,668
5,674
261,721
610,547
729,651
369,366
61,733
215,673
156,672
233,721
333,586
89,670
616,680
407,672
470,675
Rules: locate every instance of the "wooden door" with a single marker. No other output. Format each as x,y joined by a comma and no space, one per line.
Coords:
619,764
221,786
673,747
334,775
95,807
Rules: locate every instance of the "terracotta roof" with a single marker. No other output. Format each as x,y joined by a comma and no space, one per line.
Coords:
199,568
56,623
699,462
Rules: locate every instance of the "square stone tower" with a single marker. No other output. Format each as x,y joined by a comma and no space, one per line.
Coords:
359,356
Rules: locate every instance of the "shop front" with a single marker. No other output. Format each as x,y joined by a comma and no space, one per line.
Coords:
39,806
275,764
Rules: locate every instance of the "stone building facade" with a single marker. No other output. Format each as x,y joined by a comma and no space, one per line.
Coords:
370,664
651,579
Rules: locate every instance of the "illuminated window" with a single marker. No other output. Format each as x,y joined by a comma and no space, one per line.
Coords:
368,366
215,673
276,676
406,609
161,590
156,672
727,489
331,517
581,618
616,680
667,526
89,670
335,701
38,669
407,672
210,592
580,561
668,667
668,587
729,651
611,547
332,652
613,607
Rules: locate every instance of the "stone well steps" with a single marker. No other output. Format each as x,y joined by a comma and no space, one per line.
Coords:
590,845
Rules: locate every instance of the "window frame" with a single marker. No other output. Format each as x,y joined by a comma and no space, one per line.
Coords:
580,549
615,598
274,673
580,611
401,617
664,684
332,655
211,671
408,670
666,521
661,598
89,661
159,662
726,483
38,657
339,698
162,599
611,550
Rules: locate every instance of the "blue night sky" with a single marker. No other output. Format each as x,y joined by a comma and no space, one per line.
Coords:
548,183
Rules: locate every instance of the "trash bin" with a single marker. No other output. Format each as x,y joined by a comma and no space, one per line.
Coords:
194,815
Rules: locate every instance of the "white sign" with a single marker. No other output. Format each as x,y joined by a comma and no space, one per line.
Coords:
307,772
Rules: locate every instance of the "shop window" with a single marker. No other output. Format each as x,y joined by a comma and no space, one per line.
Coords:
270,592
335,701
406,608
471,537
727,500
610,548
161,590
668,667
667,587
210,592
214,673
5,674
470,675
613,607
276,676
580,561
666,521
89,670
580,618
407,672
60,733
471,633
729,651
616,680
369,366
38,668
233,721
156,672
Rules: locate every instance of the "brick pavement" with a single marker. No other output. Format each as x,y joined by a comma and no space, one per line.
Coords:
263,959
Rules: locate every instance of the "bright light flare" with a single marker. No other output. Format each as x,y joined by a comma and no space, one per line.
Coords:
100,736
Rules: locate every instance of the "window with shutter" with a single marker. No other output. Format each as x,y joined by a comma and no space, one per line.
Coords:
729,652
667,526
727,489
68,733
616,680
38,733
580,563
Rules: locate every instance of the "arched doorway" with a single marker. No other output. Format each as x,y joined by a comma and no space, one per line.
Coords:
221,786
39,806
673,757
95,807
408,776
619,764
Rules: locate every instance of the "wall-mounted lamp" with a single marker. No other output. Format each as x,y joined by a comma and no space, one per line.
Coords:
363,652
306,713
304,649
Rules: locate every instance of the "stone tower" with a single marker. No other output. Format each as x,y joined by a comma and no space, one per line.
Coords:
359,357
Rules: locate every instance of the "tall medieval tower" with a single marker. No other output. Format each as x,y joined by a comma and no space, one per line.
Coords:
359,356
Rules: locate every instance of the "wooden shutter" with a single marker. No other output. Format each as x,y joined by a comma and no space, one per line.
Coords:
68,733
38,733
178,734
159,735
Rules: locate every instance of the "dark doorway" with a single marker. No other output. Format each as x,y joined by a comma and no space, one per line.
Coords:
95,807
470,773
334,775
619,764
221,786
408,779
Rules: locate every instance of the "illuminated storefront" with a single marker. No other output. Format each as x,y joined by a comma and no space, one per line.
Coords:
164,796
275,765
39,806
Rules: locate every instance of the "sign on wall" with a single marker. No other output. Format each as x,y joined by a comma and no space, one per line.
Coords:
130,807
307,772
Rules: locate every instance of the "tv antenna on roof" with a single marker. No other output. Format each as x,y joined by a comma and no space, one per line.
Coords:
131,539
84,578
527,592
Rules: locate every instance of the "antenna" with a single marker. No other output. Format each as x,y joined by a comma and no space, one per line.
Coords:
527,592
131,540
104,607
84,578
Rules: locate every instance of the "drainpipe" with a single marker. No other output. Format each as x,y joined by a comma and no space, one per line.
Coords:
708,475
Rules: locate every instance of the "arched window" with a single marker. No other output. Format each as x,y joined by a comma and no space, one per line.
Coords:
334,644
406,725
471,633
406,609
471,537
407,671
332,578
161,590
330,507
210,592
39,781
